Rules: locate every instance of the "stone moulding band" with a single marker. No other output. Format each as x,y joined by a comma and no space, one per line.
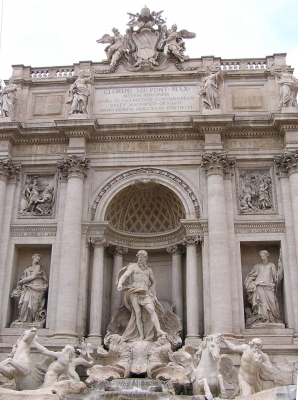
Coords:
149,171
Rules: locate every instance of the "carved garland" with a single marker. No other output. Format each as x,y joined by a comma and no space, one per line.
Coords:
148,171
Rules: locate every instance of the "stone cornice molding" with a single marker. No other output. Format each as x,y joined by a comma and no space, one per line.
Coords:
192,240
77,127
8,169
285,122
287,163
217,163
176,249
99,242
73,166
118,250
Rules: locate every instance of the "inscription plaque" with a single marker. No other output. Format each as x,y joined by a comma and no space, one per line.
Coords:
146,99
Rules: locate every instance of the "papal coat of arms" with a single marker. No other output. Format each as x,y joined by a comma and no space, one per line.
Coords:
147,42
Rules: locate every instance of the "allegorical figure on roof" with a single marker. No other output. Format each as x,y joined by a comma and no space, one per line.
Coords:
8,99
117,47
79,93
147,42
208,89
288,87
174,43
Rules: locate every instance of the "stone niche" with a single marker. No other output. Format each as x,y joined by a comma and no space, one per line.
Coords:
22,258
249,258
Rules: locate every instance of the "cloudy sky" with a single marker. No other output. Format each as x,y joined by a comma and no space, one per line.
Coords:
40,33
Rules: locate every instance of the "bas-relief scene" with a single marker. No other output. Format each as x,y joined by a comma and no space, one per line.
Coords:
149,253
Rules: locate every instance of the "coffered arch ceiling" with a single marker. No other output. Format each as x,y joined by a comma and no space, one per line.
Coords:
145,208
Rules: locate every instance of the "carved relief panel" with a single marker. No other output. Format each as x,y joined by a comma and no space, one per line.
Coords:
255,189
38,194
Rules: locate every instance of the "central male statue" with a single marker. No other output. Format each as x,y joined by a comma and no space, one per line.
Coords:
140,299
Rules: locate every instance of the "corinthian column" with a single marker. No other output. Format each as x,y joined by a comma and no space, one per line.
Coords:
7,170
97,288
215,165
118,253
74,168
192,287
288,164
177,288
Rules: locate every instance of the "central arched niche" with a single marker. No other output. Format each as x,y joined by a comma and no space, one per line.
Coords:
146,207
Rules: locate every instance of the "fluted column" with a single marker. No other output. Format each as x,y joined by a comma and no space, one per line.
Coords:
7,170
192,287
288,164
215,165
177,287
118,253
96,300
74,168
288,167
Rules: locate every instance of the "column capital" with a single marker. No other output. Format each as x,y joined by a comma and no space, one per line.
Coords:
73,166
8,169
99,242
118,250
217,163
287,163
176,249
191,240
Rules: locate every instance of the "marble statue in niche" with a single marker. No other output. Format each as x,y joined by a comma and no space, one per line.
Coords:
31,290
140,299
253,364
288,87
79,92
208,89
8,99
255,193
261,286
38,196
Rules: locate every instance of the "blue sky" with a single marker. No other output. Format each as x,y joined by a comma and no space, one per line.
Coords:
60,33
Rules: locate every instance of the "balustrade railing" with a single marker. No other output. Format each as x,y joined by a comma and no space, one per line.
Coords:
43,73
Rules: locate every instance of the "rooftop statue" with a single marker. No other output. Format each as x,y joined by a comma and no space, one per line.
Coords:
288,87
79,93
208,89
8,99
147,42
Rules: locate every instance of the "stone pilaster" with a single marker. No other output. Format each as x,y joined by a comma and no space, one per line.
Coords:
216,165
118,253
96,300
7,170
192,295
74,169
287,164
177,287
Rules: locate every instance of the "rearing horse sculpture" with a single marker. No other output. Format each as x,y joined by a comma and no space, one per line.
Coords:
19,366
204,369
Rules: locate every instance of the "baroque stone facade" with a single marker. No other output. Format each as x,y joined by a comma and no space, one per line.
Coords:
192,160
